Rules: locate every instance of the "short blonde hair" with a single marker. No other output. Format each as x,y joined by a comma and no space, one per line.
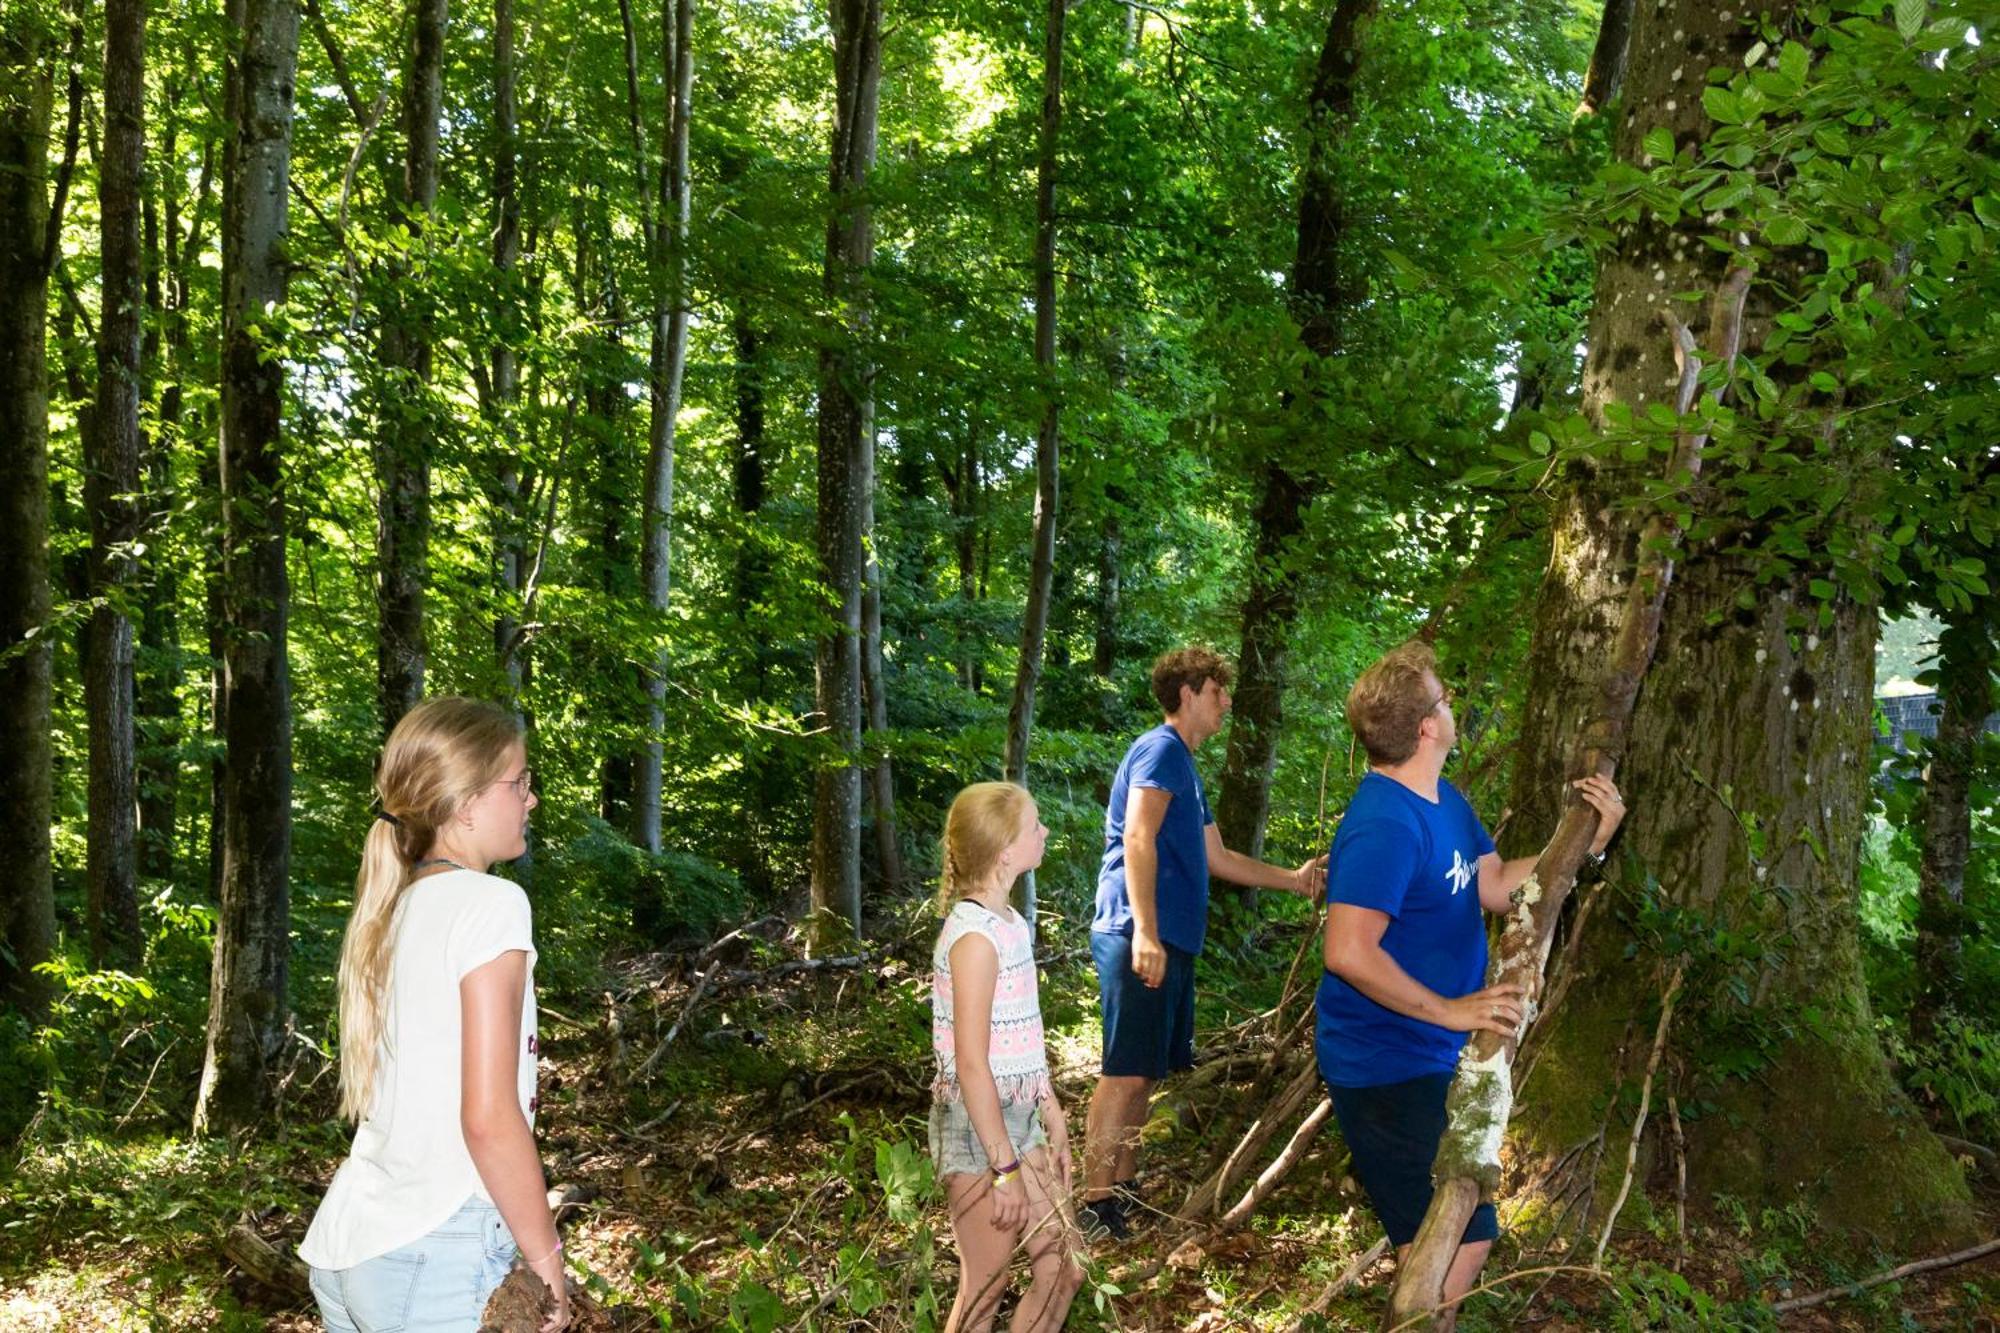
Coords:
983,819
1390,700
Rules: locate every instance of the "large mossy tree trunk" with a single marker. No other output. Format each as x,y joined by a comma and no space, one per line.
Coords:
247,998
1746,774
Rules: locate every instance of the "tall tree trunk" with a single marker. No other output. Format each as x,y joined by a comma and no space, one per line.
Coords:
1322,292
111,493
1743,722
504,365
29,228
161,673
846,465
1110,577
965,485
881,769
406,429
1048,440
667,369
215,604
1965,693
751,480
248,993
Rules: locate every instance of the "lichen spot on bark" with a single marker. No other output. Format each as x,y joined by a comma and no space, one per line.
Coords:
1482,1099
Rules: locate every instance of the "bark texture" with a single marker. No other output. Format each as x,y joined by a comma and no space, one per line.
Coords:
846,465
1751,719
402,456
1322,292
28,226
247,990
1048,437
1606,77
112,496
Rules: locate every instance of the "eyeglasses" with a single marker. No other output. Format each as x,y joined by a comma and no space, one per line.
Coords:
1445,696
523,786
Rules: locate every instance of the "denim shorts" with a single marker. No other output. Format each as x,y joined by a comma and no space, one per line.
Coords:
1393,1131
1148,1030
438,1283
955,1146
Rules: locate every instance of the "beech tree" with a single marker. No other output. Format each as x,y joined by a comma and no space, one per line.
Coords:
30,230
112,492
846,458
248,992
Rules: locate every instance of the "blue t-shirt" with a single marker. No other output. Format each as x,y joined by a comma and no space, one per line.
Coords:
1160,758
1397,853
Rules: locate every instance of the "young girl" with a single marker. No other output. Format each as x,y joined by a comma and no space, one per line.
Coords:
437,1042
997,1132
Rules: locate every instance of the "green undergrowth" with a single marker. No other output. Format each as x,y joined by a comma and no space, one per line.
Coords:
770,1172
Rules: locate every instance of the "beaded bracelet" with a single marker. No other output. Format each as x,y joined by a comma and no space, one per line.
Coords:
534,1263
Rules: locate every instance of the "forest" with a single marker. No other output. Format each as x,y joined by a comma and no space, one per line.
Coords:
794,412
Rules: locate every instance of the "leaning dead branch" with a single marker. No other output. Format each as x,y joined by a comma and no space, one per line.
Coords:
1952,1260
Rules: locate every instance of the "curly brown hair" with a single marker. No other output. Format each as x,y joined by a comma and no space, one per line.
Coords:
1390,701
1193,667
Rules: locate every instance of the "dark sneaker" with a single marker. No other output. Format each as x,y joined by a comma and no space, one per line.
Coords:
1103,1220
1125,1194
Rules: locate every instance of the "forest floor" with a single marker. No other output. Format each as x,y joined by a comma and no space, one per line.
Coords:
741,1133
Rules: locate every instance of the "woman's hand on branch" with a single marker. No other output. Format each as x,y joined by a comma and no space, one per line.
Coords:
1495,1009
1601,794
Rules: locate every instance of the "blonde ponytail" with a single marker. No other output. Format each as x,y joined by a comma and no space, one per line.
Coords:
983,819
444,752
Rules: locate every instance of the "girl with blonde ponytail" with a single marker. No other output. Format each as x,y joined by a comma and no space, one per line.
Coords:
998,1135
443,1187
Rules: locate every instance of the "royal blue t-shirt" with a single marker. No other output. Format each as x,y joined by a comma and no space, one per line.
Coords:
1160,758
1397,853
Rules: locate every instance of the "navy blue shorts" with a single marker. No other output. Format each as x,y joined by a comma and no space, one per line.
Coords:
1393,1131
1148,1030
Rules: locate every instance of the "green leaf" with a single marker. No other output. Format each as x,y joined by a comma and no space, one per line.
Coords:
1987,208
1722,105
1794,61
1755,54
1910,18
1822,589
1785,229
1659,143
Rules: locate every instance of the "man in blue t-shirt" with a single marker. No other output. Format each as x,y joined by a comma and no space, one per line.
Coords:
1160,847
1409,872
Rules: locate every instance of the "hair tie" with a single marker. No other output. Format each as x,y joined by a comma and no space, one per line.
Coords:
388,818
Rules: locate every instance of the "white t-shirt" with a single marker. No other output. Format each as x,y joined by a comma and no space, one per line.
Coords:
409,1169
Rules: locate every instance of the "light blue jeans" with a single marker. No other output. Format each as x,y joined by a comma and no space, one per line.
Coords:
438,1283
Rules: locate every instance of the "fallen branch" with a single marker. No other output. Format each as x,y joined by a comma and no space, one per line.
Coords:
1893,1275
1272,1175
687,1010
1205,1198
1645,1103
275,1268
1360,1264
